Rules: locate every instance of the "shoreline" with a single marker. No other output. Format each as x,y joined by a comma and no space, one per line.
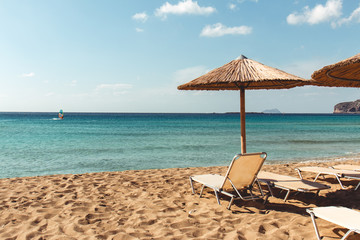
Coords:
354,158
158,204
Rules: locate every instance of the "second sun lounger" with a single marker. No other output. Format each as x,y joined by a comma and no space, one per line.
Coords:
240,177
341,216
289,183
347,167
337,173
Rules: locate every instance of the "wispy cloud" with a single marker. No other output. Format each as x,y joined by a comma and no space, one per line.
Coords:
218,30
116,89
232,6
320,13
26,75
139,30
183,7
141,17
49,94
73,83
354,17
188,74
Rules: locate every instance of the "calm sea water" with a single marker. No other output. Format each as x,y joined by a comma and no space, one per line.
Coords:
34,144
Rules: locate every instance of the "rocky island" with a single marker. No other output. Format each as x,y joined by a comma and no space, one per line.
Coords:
347,107
272,111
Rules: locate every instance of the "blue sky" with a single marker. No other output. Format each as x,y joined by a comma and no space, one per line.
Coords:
130,55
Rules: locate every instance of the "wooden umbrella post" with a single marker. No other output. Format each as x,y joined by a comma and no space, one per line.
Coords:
241,74
242,120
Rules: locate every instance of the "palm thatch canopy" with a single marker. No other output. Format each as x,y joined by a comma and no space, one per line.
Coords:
244,73
345,73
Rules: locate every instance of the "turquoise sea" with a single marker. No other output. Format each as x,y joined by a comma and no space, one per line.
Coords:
33,144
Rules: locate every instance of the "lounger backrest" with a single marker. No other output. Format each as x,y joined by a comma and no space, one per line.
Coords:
243,170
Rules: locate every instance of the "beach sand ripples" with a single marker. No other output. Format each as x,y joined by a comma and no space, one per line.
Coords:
155,204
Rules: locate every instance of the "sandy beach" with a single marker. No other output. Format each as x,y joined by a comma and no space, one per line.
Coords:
158,204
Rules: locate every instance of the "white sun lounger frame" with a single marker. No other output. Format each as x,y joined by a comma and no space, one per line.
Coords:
285,183
341,216
351,167
217,182
337,173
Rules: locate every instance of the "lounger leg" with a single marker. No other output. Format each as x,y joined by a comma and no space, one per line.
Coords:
342,186
261,191
287,195
217,197
231,202
299,172
202,189
357,186
269,187
192,186
317,177
346,234
315,226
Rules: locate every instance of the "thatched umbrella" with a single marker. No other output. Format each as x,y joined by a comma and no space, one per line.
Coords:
345,73
241,74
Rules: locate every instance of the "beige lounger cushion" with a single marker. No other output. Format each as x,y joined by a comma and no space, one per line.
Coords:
326,170
341,216
212,180
291,183
347,167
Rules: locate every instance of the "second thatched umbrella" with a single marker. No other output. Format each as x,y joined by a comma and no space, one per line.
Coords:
241,74
345,73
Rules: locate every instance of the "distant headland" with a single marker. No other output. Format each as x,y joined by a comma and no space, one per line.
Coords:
348,107
267,111
274,111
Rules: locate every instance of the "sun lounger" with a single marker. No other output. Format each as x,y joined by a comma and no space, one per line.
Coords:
289,183
347,167
344,217
240,177
337,173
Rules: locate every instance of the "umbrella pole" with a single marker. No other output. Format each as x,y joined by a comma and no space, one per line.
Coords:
242,121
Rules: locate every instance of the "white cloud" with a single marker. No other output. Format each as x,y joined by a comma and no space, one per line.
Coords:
232,6
183,7
49,94
354,17
187,74
320,13
218,30
73,83
115,89
28,75
142,17
139,30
